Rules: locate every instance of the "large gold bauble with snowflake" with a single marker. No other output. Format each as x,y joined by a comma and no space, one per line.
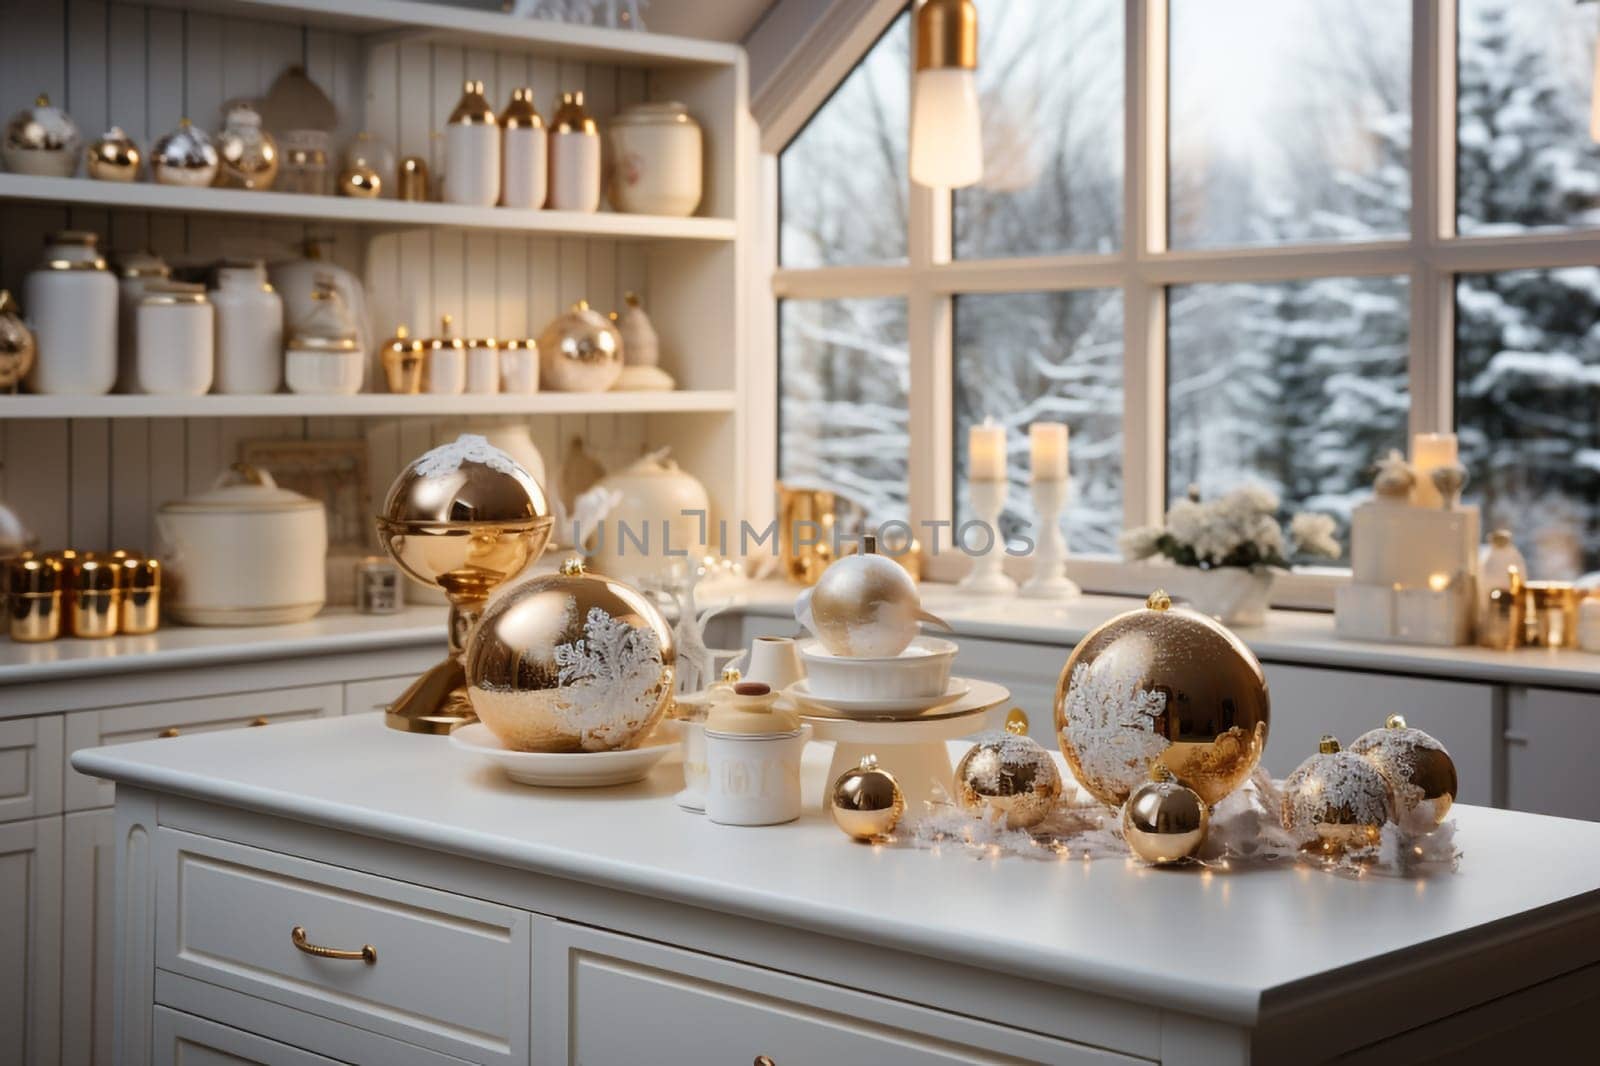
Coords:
570,662
1165,684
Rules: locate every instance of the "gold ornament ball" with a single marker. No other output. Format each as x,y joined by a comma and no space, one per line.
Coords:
1338,798
866,802
114,157
1008,775
1164,822
571,661
1161,683
580,351
185,157
1420,772
363,183
863,606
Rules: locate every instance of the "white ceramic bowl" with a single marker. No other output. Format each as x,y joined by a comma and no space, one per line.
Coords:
923,669
315,373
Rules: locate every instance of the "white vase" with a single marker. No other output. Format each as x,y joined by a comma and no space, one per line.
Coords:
1233,595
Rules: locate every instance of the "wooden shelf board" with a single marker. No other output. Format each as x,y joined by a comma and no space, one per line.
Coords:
364,405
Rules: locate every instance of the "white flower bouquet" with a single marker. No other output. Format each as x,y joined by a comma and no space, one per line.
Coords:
1238,529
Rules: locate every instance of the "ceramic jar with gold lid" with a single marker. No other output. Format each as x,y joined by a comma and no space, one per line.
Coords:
96,590
16,344
72,302
324,355
525,178
249,348
445,370
177,338
657,148
519,365
472,150
41,140
574,157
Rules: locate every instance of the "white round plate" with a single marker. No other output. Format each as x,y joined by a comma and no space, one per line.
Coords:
567,769
879,707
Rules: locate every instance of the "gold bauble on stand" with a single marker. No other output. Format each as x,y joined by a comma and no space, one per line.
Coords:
1420,773
1164,822
866,801
1338,798
1008,775
571,662
463,518
1161,683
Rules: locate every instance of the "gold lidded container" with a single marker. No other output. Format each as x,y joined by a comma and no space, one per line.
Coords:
413,183
113,157
140,609
404,358
96,591
1550,614
1501,622
472,150
67,559
34,598
574,147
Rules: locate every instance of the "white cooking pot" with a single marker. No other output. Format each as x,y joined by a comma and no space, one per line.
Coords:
244,552
660,520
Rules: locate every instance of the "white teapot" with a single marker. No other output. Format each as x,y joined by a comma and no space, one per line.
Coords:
661,508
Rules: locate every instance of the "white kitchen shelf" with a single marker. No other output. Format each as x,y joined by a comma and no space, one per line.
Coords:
365,405
389,213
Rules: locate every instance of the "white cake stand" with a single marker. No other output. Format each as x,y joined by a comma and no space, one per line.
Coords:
913,749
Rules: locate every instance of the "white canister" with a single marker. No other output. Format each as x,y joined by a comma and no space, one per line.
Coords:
176,337
324,366
444,371
71,301
574,157
692,735
482,366
472,151
656,160
134,271
524,175
249,344
754,778
519,366
775,662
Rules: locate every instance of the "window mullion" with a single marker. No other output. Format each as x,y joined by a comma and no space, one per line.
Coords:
930,336
1431,369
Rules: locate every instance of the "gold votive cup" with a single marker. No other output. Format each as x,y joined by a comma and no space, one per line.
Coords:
96,590
1551,619
1500,622
140,585
67,559
33,600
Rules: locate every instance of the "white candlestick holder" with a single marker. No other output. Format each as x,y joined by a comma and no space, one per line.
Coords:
1049,580
988,576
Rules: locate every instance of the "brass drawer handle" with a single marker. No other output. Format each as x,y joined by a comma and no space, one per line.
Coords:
367,954
259,721
170,731
764,1060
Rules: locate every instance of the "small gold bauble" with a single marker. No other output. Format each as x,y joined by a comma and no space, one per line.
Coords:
17,347
863,606
1163,683
1338,798
580,351
114,157
363,183
866,802
1420,773
1164,822
247,155
571,662
1008,775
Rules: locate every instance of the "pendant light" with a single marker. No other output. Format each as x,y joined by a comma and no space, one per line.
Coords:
946,137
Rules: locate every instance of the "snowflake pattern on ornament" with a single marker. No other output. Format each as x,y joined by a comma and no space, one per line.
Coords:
467,448
611,680
1111,723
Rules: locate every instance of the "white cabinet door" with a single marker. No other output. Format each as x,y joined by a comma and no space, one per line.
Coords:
183,1038
30,942
30,767
1308,702
1551,739
88,923
363,696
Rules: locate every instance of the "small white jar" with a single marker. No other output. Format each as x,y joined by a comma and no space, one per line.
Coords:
134,271
482,366
177,336
444,372
656,152
574,157
754,778
524,178
519,366
324,366
249,340
71,300
472,151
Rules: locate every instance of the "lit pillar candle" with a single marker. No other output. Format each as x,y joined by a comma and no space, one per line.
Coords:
1430,451
1047,442
986,452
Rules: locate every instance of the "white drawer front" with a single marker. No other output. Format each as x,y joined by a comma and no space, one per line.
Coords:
450,973
122,725
703,1010
30,767
184,1040
363,696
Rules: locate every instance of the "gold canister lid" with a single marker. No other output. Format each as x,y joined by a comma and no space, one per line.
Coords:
446,337
483,342
138,572
86,238
520,112
1552,593
519,344
67,558
32,575
172,293
403,341
570,117
473,108
97,573
142,265
307,342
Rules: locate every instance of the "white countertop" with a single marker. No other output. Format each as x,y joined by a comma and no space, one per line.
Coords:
334,631
1233,945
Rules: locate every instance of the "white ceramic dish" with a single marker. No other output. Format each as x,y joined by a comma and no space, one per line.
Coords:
317,373
584,769
909,707
922,670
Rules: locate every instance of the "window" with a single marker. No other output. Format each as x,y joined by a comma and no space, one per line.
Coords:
1241,271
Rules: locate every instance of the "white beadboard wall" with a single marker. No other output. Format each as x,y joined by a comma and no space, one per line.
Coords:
94,483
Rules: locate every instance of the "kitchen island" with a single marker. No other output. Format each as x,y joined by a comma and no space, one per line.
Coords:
487,922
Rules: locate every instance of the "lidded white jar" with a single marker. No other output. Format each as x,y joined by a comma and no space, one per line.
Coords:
249,324
574,157
134,271
176,338
519,366
483,365
472,150
445,369
71,300
656,152
523,183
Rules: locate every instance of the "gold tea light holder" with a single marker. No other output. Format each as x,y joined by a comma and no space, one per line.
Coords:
463,518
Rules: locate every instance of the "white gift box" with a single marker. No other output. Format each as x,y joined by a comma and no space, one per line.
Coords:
1398,544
